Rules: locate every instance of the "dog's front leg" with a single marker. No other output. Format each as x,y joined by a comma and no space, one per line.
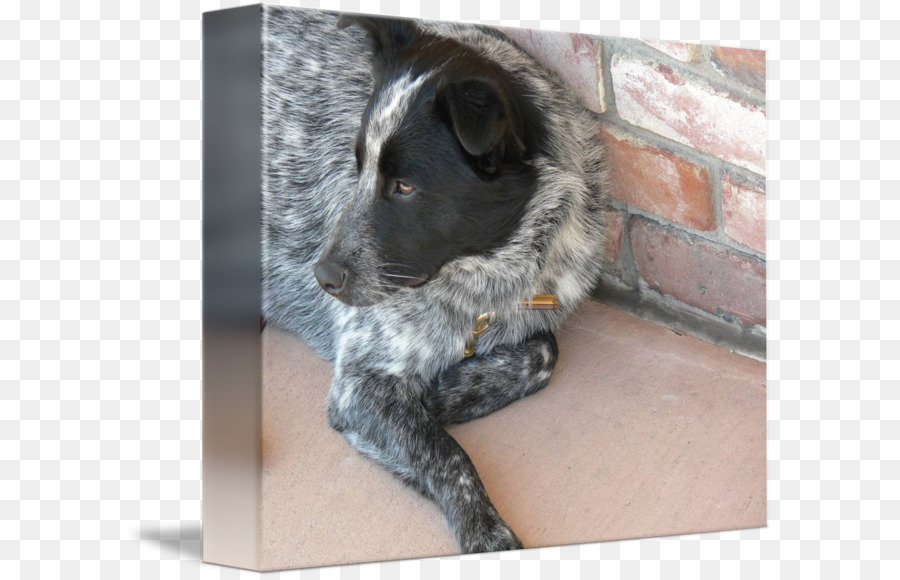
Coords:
383,417
484,383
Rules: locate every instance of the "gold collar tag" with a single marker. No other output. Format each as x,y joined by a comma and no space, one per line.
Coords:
483,322
540,302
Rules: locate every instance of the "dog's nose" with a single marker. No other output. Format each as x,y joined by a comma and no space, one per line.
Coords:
332,277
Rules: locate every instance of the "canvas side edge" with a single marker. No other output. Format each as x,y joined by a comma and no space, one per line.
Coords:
232,357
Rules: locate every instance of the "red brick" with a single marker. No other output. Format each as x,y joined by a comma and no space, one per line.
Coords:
742,64
699,273
744,209
615,228
662,100
575,58
680,50
659,182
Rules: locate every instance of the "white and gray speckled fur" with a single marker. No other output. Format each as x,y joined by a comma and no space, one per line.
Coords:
398,362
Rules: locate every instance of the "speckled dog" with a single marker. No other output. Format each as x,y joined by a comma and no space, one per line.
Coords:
423,174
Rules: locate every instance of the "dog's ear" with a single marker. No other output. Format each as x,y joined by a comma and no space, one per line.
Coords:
387,34
483,116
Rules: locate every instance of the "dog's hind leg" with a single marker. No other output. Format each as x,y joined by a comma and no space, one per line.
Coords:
484,383
383,417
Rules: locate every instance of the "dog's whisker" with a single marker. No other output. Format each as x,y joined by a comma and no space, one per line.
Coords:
402,276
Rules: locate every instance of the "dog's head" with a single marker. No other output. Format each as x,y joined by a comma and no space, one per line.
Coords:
443,158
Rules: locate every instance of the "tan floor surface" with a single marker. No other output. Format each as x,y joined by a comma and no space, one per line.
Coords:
640,432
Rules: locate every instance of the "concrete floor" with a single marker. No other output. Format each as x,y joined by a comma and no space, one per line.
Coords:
640,432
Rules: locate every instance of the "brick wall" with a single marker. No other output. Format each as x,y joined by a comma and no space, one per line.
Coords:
685,127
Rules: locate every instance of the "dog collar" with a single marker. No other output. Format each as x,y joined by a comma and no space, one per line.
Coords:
483,322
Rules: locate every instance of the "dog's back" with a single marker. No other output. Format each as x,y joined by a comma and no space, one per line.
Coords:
316,81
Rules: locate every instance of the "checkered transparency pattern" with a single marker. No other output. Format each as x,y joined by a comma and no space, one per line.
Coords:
100,305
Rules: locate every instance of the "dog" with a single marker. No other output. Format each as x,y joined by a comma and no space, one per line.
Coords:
419,176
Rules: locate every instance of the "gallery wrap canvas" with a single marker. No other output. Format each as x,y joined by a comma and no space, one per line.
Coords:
470,289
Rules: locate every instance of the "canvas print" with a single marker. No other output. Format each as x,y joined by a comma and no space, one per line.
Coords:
498,289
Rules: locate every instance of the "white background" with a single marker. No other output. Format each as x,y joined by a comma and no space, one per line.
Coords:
100,204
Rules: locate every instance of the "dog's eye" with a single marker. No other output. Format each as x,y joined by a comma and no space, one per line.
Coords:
403,189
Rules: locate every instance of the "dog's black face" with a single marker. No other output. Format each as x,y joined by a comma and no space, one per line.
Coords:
443,162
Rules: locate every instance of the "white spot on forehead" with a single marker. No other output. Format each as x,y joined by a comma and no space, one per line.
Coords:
391,106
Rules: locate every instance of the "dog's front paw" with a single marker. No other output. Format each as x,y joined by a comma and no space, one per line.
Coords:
491,534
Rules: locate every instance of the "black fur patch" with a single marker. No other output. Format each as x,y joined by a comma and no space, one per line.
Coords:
465,145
